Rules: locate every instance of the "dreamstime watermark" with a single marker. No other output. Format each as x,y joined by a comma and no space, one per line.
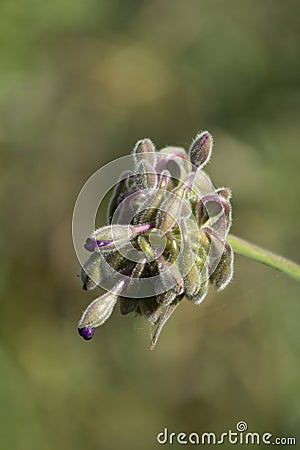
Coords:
240,436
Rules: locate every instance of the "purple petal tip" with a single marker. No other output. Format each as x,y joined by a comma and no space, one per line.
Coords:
90,244
86,332
103,243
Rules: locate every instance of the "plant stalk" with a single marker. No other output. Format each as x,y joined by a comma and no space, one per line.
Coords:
263,256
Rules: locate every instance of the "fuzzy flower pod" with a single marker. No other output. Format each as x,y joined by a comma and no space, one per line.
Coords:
149,209
201,148
145,177
166,238
112,236
144,150
91,272
172,206
192,272
98,311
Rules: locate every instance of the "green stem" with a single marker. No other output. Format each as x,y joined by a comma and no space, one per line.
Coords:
249,250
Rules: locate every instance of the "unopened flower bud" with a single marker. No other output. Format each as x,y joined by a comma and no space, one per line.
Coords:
91,272
201,148
150,308
144,150
145,177
202,290
127,305
224,192
172,206
113,236
99,311
151,206
224,270
86,332
192,274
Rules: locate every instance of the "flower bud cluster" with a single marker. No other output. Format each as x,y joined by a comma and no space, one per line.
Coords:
167,224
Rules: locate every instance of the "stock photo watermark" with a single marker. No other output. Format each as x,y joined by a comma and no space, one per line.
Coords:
240,436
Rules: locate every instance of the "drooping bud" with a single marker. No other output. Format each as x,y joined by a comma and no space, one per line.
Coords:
127,305
220,259
172,206
150,308
86,332
202,290
144,150
224,270
200,150
91,272
214,211
145,177
98,311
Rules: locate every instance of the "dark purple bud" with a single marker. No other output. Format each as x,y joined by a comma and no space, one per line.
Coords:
103,243
200,150
86,332
90,244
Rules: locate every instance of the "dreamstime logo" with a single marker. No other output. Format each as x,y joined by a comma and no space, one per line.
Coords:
239,436
91,197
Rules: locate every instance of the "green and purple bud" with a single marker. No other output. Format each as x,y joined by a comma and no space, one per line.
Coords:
172,206
145,177
144,150
91,272
200,150
98,311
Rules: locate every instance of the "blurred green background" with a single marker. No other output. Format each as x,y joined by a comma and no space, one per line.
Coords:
80,82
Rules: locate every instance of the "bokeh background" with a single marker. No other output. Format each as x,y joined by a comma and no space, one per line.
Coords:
80,82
